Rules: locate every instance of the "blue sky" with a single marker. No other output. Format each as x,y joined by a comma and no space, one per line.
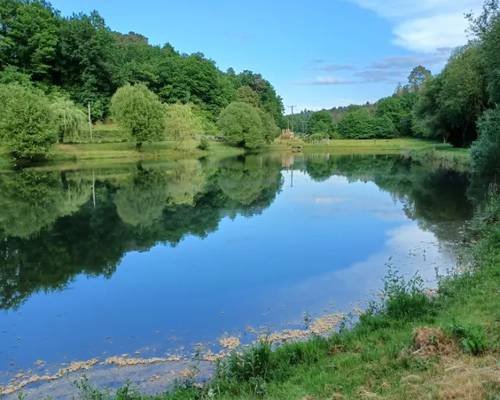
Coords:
317,53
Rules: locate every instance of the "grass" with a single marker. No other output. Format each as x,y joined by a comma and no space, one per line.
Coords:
85,155
409,345
110,145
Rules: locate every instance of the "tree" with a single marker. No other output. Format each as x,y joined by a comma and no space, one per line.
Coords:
246,94
138,110
399,109
487,30
269,127
359,123
70,120
241,125
321,123
417,78
269,100
26,122
29,36
450,103
485,151
181,123
85,65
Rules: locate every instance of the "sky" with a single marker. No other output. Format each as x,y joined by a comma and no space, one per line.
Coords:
317,53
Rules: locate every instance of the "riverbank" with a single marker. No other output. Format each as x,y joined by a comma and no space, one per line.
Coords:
413,344
82,155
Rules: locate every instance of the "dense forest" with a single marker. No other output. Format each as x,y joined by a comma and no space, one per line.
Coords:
67,67
453,106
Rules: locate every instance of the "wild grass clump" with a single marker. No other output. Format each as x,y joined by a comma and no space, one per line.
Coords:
471,338
402,301
251,370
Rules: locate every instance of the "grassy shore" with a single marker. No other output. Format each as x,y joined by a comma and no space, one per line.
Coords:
109,148
83,155
412,344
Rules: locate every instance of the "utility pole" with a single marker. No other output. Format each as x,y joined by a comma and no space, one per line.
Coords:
90,122
291,118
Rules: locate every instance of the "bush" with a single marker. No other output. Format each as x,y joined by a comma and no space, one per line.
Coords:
26,122
472,338
485,151
242,126
138,110
204,144
405,300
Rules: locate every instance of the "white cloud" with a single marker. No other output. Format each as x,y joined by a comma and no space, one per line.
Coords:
425,25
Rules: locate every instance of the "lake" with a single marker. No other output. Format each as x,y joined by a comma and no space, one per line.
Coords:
155,259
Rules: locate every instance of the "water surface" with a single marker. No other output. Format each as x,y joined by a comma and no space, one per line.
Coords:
153,259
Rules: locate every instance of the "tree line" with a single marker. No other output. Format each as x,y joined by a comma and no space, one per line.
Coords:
68,67
460,105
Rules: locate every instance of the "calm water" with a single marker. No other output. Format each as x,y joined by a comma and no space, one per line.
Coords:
157,258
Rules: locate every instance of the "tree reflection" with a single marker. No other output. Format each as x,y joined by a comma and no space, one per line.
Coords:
55,225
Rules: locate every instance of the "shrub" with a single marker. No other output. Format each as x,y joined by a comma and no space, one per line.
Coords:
204,144
26,122
485,151
405,300
472,338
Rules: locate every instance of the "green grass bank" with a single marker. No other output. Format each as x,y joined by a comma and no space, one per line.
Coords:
109,148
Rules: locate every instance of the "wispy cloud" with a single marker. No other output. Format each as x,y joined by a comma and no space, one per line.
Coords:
425,25
325,81
322,65
391,70
409,61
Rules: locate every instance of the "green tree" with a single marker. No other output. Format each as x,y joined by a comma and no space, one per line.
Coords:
29,36
399,109
86,62
269,100
246,94
417,78
26,122
450,104
321,123
269,127
487,29
241,125
485,151
359,123
181,123
138,110
70,120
